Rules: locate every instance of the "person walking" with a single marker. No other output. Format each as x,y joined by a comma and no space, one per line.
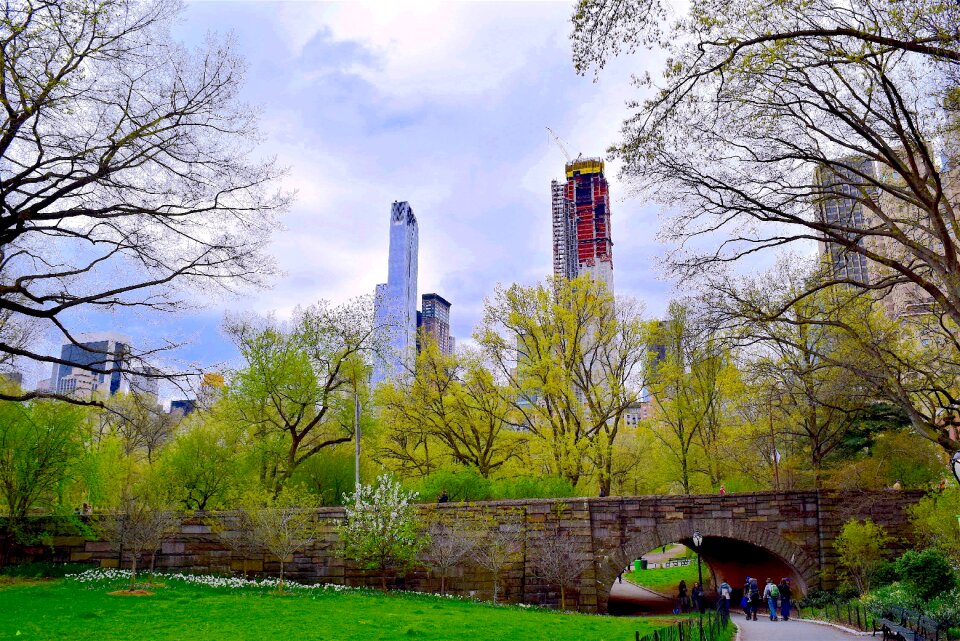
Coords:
697,596
747,601
771,593
682,596
723,603
754,592
785,596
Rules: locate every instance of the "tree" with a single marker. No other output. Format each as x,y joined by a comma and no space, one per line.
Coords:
41,443
498,546
560,562
572,359
861,546
282,524
202,464
928,572
812,122
237,532
297,379
690,389
126,169
450,410
935,522
140,525
449,547
380,530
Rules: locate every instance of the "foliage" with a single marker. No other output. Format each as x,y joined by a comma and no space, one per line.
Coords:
927,573
572,358
533,487
297,380
380,531
794,106
129,169
44,569
934,519
861,546
40,445
66,609
201,464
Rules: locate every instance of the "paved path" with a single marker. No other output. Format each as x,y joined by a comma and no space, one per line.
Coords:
767,630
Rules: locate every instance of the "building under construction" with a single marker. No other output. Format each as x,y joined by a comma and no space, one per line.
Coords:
582,242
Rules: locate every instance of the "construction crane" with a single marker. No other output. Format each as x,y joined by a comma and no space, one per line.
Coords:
557,139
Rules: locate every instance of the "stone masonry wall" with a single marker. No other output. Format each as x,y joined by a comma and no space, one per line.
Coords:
769,532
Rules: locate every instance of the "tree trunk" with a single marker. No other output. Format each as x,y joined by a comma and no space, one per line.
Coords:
443,583
495,586
133,571
563,597
280,585
383,580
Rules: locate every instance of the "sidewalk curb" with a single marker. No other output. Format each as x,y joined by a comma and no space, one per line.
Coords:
858,633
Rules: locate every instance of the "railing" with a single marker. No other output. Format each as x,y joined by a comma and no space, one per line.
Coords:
714,628
850,614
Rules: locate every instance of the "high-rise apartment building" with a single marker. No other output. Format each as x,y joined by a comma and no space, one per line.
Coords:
849,189
396,300
103,356
434,321
582,241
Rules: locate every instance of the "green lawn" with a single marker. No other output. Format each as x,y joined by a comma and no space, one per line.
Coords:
666,580
66,609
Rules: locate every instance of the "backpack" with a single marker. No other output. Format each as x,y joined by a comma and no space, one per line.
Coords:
774,591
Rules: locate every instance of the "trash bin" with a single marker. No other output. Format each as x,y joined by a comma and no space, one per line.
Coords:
643,564
637,564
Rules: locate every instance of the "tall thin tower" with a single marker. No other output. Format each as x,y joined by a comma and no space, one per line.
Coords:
396,300
582,242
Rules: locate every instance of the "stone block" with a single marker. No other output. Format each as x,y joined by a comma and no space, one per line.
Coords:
81,556
109,563
97,546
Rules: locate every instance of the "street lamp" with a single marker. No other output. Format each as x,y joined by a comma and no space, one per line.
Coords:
697,542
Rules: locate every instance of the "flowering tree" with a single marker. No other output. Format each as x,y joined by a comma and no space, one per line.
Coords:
380,531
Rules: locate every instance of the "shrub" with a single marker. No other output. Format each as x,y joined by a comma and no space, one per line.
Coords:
884,573
861,546
927,573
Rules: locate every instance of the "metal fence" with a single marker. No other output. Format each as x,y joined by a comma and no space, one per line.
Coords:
712,627
850,614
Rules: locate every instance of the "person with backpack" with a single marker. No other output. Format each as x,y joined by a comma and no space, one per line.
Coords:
785,595
754,598
771,593
723,603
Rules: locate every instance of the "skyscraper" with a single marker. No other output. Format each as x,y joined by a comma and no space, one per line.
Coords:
396,300
582,242
107,368
434,321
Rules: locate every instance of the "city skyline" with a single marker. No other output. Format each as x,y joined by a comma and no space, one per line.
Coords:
363,108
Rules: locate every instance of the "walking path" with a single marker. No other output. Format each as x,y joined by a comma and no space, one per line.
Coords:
767,630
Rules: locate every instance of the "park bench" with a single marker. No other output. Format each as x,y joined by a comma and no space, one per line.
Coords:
901,624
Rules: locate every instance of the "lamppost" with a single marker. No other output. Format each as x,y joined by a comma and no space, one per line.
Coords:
697,542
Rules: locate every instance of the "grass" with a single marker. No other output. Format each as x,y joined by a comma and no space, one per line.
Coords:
66,609
666,580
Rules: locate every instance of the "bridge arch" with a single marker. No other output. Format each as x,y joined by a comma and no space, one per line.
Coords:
732,550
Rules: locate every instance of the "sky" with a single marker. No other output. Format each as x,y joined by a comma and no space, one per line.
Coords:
444,105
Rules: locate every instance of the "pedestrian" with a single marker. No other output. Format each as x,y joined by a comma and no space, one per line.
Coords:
682,595
745,601
603,493
723,603
771,593
723,490
898,485
785,595
443,498
696,594
754,592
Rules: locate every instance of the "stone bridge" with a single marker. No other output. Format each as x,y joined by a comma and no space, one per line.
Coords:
757,534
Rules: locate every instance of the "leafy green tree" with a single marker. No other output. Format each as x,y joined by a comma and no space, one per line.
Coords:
927,572
935,521
297,381
572,358
861,546
450,411
794,105
380,532
41,443
202,465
